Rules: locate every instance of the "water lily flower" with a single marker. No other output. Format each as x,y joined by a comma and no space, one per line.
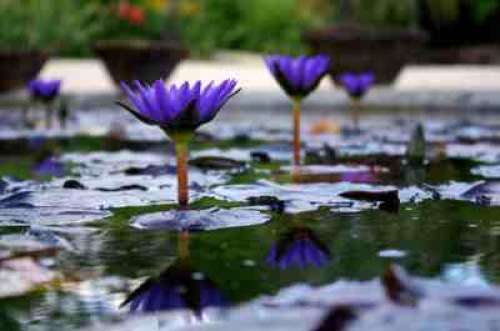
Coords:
299,247
45,91
298,77
357,85
178,111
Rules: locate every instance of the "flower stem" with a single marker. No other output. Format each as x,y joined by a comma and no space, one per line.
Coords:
48,116
25,115
181,151
296,131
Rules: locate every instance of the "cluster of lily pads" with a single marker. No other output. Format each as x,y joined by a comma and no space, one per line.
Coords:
105,180
180,110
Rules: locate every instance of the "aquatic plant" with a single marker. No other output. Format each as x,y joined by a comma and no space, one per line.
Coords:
46,92
178,111
298,77
299,247
357,85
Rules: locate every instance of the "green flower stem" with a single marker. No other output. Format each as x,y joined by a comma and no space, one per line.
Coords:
182,152
296,131
48,115
26,108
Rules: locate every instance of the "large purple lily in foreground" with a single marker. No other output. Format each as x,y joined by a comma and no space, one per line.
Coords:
357,85
45,91
178,111
298,77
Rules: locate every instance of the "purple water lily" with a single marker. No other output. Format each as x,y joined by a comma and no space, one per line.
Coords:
298,76
44,90
178,108
178,287
179,111
357,85
298,248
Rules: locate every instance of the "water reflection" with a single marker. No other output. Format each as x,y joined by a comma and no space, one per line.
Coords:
298,247
179,286
369,177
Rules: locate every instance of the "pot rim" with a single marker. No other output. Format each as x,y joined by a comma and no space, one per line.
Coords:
9,53
138,44
355,32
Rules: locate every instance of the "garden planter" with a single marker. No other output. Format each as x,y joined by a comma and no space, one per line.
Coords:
146,61
17,68
462,40
356,49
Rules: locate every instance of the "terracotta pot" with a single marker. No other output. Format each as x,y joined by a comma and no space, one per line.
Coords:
17,68
146,61
356,49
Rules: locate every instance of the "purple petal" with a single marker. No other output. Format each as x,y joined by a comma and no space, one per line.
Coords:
164,113
133,97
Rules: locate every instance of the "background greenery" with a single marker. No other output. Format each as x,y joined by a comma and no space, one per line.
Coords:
69,27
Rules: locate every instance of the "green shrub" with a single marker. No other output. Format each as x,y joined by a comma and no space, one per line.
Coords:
449,10
56,25
257,25
378,13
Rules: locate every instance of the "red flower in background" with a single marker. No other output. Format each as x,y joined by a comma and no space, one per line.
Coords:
131,13
136,15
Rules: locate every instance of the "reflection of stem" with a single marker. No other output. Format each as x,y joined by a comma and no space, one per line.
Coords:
296,131
356,105
183,245
181,151
25,114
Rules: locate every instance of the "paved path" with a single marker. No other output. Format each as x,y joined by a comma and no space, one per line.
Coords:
440,86
90,76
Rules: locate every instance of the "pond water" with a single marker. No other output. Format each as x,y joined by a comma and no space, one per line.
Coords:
81,233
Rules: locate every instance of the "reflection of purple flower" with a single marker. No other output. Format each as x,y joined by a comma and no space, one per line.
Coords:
358,177
298,76
49,167
357,85
44,90
178,108
36,142
298,248
178,287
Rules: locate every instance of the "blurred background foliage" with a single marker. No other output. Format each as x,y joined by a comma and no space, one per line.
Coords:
69,27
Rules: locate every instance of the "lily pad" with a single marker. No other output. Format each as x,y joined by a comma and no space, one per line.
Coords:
487,171
200,220
22,275
304,197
